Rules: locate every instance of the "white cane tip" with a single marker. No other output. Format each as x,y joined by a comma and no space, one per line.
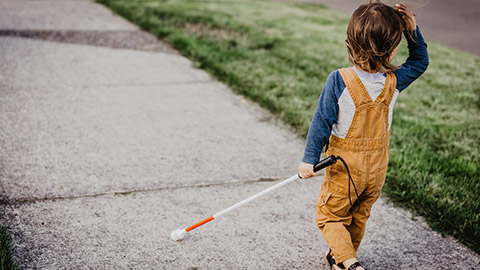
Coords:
177,235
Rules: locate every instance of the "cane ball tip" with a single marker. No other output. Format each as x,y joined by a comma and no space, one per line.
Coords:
177,235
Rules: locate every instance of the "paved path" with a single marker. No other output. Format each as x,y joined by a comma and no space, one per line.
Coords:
454,23
107,145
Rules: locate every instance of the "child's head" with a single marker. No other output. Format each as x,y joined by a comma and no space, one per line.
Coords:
373,35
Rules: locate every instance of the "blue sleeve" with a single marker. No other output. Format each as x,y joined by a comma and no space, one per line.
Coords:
416,63
324,117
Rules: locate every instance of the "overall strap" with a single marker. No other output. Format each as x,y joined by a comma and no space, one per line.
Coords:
388,90
355,87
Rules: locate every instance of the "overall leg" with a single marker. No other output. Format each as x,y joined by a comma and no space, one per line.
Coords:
332,217
359,219
375,182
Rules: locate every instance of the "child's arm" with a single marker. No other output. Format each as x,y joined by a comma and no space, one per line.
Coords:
417,61
321,126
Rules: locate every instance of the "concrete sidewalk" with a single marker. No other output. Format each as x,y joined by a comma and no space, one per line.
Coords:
108,145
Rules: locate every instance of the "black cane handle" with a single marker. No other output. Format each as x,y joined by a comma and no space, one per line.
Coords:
325,163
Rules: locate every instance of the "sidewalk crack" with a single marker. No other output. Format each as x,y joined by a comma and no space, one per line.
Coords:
15,201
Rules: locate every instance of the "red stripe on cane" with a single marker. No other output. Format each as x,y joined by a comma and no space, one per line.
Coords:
199,224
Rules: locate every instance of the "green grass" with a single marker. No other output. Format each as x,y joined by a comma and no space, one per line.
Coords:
279,55
6,262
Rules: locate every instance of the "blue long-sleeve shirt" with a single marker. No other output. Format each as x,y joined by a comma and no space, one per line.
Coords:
335,108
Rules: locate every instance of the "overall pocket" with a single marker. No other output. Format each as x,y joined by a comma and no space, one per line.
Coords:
332,207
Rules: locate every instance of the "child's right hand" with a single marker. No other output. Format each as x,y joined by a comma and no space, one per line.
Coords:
305,170
407,16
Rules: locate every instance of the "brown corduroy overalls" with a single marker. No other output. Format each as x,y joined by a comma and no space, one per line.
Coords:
365,150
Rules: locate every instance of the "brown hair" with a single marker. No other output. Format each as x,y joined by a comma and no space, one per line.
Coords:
373,33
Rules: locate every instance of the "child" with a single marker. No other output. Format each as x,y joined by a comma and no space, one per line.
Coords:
353,119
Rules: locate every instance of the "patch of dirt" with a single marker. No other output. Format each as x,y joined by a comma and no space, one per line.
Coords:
200,29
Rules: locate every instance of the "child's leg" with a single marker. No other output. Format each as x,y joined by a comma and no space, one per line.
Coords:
373,188
332,216
359,219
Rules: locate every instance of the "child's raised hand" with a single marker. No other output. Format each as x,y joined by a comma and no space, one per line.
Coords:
407,16
305,170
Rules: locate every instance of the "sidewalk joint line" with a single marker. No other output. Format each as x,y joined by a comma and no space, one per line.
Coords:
16,201
115,85
117,39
